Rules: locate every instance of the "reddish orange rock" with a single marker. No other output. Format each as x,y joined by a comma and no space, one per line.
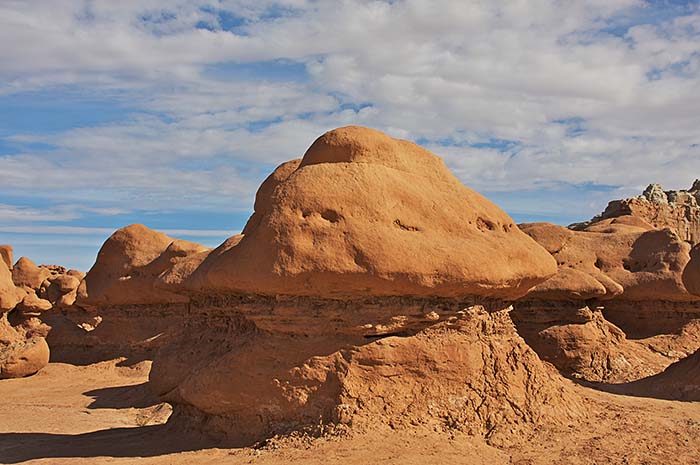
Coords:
129,265
6,255
627,264
365,214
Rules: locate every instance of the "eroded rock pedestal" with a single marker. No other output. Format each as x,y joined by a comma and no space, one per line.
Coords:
297,323
449,364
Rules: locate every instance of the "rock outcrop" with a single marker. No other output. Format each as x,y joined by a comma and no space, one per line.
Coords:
633,272
630,265
394,222
28,274
6,255
23,349
52,283
691,273
657,208
380,299
125,305
582,343
10,295
129,267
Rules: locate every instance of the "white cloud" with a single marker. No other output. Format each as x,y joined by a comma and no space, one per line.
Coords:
85,231
465,72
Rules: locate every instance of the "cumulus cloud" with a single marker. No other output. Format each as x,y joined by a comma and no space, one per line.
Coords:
516,95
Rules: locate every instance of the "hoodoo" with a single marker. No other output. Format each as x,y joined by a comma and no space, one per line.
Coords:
365,214
369,285
631,271
125,304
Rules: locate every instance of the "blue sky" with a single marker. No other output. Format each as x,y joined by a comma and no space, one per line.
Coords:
170,113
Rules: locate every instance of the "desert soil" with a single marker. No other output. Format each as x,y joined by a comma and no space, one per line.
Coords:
104,414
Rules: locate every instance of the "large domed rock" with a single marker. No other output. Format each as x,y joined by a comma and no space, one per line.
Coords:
365,214
129,265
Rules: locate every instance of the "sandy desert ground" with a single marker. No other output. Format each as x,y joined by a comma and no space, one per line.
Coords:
104,414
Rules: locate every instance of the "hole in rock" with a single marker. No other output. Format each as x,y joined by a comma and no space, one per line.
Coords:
330,215
485,224
405,227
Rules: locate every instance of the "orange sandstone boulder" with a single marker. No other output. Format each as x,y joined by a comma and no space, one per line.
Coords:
368,286
23,349
9,294
6,255
128,266
629,264
32,305
26,273
365,214
22,352
60,290
620,224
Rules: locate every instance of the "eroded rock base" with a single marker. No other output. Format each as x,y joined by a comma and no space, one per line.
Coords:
135,332
467,370
616,343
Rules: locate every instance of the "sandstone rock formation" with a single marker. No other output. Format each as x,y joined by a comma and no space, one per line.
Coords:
129,265
23,349
27,274
125,304
61,290
630,265
691,273
628,268
6,255
365,214
582,343
677,210
9,294
380,298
